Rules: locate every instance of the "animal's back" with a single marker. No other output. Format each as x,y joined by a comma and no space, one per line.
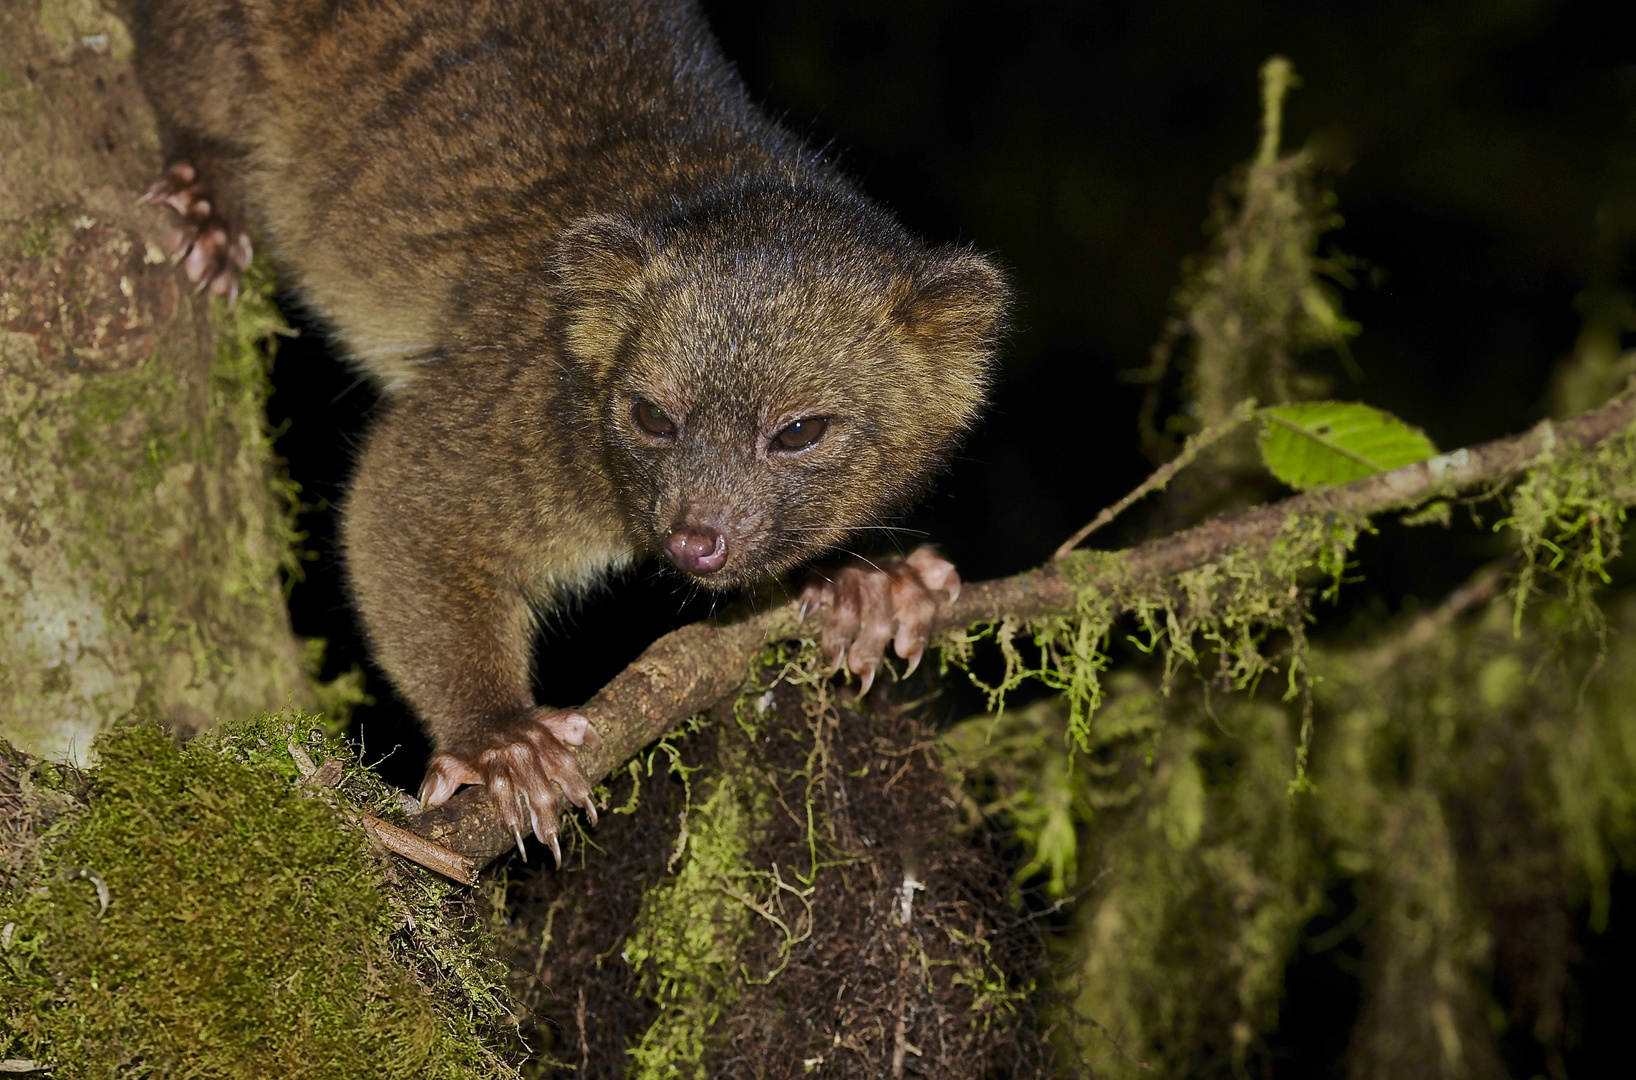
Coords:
395,150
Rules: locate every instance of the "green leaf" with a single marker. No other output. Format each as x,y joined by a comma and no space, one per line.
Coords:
1331,442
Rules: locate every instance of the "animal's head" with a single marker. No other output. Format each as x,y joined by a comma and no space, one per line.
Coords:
769,376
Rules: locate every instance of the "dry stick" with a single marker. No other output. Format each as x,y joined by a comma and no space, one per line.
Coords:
1164,474
418,849
688,671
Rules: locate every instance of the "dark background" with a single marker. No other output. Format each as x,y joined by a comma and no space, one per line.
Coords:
1080,144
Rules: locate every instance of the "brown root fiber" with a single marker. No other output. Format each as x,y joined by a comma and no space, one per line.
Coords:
802,959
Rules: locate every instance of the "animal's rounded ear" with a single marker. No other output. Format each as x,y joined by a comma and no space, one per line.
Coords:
602,265
603,257
951,311
955,304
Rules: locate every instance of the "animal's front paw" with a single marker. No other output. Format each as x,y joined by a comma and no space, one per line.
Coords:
213,252
861,607
527,766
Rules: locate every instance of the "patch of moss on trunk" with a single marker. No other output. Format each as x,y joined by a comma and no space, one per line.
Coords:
248,929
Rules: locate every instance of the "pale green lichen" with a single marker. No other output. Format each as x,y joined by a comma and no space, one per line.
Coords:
1401,730
1019,766
1202,876
1568,516
1220,612
1525,745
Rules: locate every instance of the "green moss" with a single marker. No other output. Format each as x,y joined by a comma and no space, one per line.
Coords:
249,931
686,939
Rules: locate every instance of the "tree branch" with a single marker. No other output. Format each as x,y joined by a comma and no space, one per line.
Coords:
688,671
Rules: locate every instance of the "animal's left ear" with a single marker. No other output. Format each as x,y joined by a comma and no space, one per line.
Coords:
958,299
951,312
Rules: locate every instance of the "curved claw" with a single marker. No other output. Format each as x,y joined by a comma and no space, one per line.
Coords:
446,774
528,767
864,607
867,680
914,661
213,254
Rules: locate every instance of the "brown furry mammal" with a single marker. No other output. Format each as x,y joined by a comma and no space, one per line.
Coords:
617,311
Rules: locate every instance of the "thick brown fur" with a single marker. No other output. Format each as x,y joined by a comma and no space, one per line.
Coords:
523,219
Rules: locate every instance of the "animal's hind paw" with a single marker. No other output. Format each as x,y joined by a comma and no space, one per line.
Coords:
214,254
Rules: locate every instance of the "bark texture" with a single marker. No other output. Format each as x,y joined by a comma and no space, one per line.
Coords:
141,532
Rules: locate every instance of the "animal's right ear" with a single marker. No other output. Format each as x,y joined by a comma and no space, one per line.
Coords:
603,265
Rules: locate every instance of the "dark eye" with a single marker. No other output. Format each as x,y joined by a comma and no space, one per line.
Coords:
652,419
801,434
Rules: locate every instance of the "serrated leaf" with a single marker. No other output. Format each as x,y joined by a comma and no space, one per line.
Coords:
1331,442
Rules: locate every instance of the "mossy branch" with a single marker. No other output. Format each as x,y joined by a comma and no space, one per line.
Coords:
688,671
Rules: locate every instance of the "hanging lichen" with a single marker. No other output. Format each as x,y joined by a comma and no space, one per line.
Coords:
1200,875
1263,295
1567,516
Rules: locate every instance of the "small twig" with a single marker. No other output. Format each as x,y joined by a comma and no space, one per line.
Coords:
900,1030
412,846
1477,590
1159,358
418,849
1164,474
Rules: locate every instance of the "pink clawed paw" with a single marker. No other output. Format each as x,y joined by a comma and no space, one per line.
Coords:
861,608
528,769
212,255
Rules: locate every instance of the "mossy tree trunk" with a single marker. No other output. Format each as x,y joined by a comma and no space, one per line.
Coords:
141,525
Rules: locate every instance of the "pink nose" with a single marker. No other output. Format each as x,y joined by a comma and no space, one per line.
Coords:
696,549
